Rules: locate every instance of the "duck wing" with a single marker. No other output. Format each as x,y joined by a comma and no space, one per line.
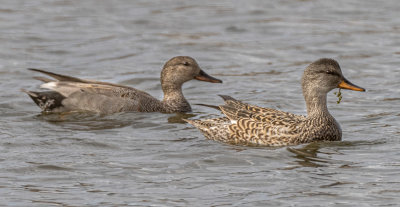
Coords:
235,109
247,124
60,77
279,131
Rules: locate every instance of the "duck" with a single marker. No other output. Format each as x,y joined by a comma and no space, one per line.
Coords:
67,93
250,125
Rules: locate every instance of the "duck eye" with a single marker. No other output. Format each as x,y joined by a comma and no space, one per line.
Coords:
186,63
330,72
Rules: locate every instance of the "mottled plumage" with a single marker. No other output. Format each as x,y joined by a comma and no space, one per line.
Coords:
247,124
74,94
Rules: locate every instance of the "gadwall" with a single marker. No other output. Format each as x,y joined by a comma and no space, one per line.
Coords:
74,94
246,124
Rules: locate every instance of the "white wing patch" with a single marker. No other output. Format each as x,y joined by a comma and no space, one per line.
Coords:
64,88
49,85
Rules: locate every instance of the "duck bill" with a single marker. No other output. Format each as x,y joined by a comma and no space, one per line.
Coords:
203,76
345,84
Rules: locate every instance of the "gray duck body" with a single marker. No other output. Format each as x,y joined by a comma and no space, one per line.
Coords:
73,94
247,124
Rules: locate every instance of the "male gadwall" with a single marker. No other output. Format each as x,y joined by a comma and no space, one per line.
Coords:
74,94
246,124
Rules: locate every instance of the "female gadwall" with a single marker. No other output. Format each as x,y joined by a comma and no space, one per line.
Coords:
74,94
246,124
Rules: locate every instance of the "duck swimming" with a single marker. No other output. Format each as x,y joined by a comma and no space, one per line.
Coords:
247,124
74,94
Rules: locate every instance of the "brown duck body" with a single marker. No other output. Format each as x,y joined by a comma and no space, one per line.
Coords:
247,124
74,94
256,126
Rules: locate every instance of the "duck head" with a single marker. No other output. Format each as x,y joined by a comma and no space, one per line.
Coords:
181,69
324,75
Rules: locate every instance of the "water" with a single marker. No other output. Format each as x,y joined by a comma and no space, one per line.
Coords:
258,48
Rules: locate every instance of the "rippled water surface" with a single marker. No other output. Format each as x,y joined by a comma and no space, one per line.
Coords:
258,48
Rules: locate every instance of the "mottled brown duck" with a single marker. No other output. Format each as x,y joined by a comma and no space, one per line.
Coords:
73,94
251,125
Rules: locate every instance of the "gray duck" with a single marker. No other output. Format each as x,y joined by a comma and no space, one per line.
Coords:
74,94
247,124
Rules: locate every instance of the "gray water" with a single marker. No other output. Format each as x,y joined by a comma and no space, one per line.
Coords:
258,48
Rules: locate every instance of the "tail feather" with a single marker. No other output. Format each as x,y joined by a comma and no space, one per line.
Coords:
43,79
210,106
226,97
188,121
58,76
66,78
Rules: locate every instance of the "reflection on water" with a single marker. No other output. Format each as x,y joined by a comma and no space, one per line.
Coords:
152,159
310,154
307,156
178,118
318,154
89,121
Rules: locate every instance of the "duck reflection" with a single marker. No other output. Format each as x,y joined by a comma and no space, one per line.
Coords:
307,156
86,121
177,118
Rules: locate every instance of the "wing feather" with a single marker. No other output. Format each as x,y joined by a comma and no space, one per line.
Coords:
247,124
66,78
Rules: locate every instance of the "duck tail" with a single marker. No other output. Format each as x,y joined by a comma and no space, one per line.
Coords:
210,106
59,77
226,97
195,122
48,100
43,79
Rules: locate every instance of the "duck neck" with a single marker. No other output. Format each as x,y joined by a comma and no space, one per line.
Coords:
173,100
316,103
